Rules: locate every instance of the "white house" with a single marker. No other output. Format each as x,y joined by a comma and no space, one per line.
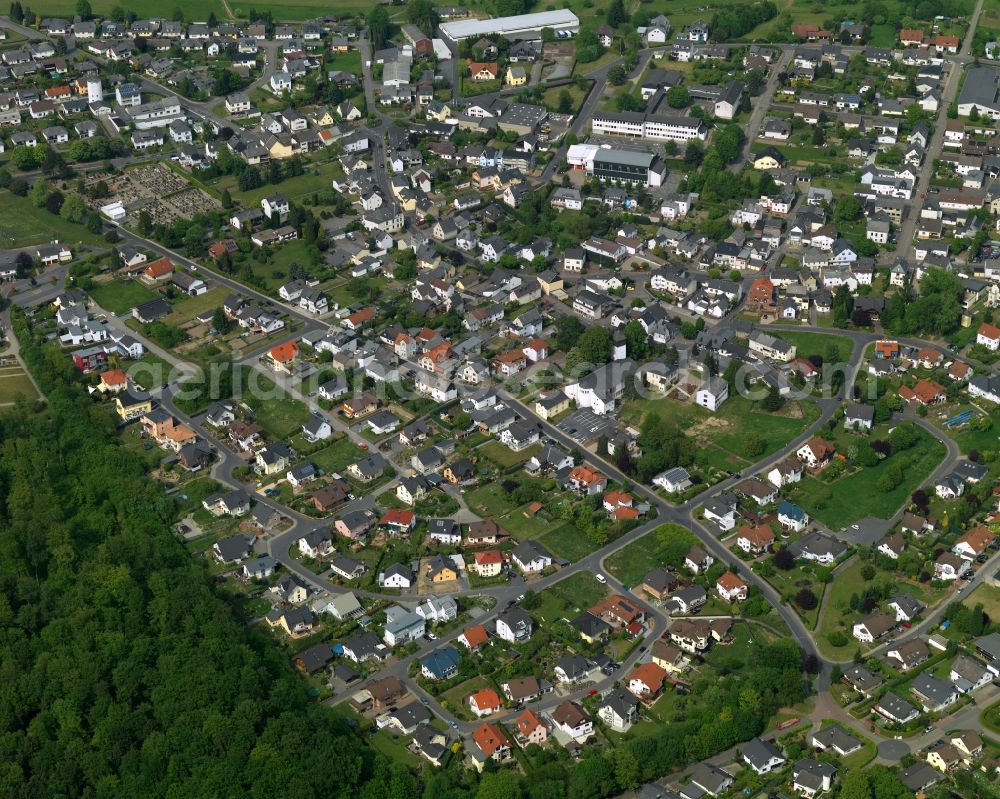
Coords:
713,393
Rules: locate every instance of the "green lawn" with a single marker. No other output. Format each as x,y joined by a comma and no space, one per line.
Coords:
821,344
567,542
120,296
523,524
727,427
194,10
805,154
280,415
187,308
837,614
848,499
317,178
199,10
150,371
336,457
346,62
455,699
789,583
24,225
504,457
488,501
666,545
14,383
969,439
570,597
303,9
989,597
551,97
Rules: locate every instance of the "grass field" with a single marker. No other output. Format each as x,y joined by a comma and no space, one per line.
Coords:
727,427
187,308
848,499
337,456
836,612
347,62
119,296
788,583
567,542
570,597
631,564
504,457
551,97
14,383
198,10
968,439
821,344
317,178
194,10
22,225
280,415
989,597
489,501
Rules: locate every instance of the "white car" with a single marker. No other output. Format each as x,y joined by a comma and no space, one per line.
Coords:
601,578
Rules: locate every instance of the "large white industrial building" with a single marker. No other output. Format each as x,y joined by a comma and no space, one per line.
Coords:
561,20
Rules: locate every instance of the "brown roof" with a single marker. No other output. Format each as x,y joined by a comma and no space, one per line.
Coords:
569,714
665,652
386,689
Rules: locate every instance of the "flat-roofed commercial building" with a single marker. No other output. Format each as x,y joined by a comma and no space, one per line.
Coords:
655,127
627,166
980,91
560,20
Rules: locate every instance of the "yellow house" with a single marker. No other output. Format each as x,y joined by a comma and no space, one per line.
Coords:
944,757
130,406
550,281
516,75
769,158
324,118
441,570
279,150
550,405
439,114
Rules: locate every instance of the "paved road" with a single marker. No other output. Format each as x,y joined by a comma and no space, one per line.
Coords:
760,107
907,229
280,545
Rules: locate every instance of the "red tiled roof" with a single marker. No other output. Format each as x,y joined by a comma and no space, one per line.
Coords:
489,738
285,352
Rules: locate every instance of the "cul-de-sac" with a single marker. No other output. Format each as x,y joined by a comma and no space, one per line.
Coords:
532,401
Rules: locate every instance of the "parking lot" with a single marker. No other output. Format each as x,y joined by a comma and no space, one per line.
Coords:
583,426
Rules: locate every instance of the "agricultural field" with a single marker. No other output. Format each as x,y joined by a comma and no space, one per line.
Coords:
194,10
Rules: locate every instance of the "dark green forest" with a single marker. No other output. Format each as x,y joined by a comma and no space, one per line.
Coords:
124,674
